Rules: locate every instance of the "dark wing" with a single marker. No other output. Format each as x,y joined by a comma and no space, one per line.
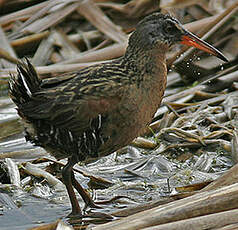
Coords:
73,101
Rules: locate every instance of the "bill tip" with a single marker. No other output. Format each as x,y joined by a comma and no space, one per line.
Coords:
223,58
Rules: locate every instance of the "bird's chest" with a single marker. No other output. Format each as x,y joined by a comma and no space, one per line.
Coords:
136,108
134,112
143,101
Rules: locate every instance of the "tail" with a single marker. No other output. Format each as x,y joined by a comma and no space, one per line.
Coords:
24,84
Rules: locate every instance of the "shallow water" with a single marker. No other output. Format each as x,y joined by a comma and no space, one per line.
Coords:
140,175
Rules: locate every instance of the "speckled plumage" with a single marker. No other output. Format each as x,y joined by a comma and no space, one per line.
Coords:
62,115
97,110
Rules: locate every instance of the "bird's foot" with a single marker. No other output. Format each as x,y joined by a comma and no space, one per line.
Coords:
115,198
99,215
90,215
97,204
91,204
77,215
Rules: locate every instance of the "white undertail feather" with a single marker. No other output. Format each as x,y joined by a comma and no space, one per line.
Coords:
25,84
99,121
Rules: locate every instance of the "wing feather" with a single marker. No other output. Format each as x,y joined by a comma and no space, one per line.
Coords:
72,101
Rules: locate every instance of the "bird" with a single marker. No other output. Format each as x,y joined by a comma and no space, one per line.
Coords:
93,112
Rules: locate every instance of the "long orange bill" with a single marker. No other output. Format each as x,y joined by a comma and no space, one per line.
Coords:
190,39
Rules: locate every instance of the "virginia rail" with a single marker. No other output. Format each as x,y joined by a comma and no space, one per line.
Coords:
99,109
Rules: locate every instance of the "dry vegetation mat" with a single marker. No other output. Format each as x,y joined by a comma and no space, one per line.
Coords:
183,173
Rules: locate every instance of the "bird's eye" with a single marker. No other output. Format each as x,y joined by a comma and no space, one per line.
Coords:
169,28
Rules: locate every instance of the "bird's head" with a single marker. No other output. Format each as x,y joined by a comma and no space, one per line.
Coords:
159,29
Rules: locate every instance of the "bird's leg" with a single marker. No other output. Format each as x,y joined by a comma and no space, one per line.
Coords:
87,198
67,179
83,193
89,201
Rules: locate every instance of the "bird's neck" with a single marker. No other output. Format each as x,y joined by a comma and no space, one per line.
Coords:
149,62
